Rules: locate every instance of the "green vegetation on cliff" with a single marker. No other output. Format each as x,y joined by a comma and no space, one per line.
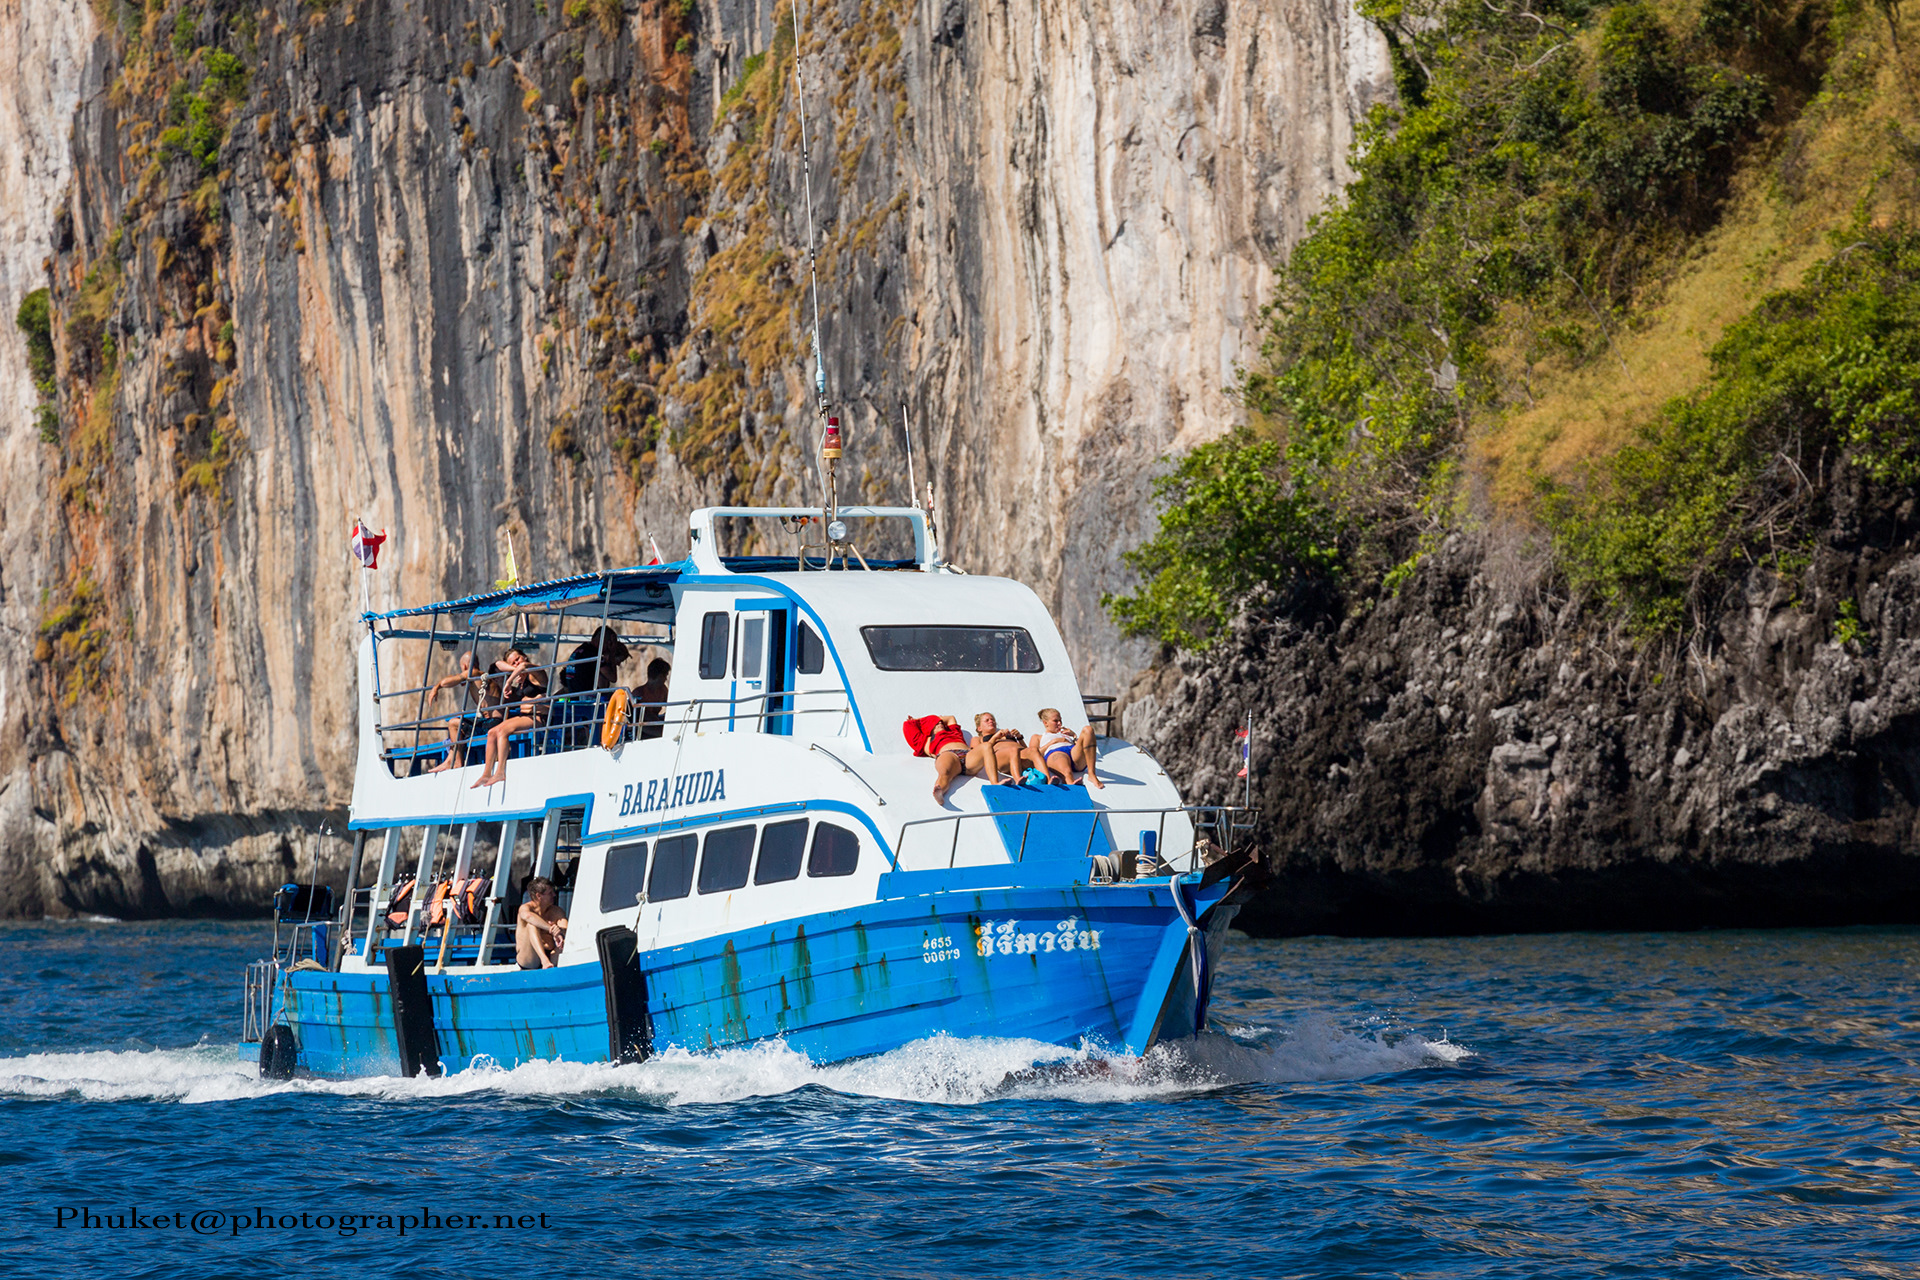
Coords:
1532,217
35,319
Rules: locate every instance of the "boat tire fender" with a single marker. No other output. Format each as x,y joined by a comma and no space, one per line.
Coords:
413,1029
629,1025
277,1050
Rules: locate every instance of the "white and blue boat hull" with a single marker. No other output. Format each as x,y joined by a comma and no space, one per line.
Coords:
1109,965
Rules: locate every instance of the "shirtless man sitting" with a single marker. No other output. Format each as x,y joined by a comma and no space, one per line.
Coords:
540,930
942,739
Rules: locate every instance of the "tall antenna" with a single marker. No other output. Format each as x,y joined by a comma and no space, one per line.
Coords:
913,486
830,443
807,177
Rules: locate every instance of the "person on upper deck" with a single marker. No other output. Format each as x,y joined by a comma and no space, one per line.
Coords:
485,691
942,739
652,697
539,928
1008,751
595,664
523,705
1061,751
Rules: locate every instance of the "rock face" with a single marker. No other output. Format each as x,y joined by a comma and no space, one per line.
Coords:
534,271
1478,754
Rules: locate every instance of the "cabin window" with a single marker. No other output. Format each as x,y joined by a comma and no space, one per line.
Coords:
672,868
713,647
625,877
753,645
813,652
1006,649
836,851
781,847
729,854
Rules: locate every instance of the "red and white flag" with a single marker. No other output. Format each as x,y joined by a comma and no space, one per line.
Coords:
1243,748
366,545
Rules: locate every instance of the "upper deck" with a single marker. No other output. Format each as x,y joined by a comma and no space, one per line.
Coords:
761,643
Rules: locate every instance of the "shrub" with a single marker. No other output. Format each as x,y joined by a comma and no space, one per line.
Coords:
1724,479
35,319
1232,526
1528,170
226,75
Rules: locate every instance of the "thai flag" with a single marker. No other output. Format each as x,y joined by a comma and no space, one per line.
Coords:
366,545
1242,747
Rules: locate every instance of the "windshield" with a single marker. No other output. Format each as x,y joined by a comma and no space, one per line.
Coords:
951,648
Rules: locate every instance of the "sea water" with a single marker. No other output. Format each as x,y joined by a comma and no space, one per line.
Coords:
1707,1104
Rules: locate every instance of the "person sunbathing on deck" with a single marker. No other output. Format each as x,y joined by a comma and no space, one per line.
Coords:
1061,751
523,706
1008,751
540,930
942,739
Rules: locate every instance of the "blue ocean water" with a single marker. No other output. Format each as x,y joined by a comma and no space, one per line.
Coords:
1705,1104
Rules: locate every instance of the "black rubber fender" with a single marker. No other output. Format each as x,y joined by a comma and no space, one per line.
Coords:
277,1049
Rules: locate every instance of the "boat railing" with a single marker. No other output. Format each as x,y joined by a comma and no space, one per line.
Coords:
574,721
1220,828
1099,709
256,1011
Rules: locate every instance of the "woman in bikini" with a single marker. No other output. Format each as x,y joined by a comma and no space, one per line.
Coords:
523,706
1009,752
485,688
1061,752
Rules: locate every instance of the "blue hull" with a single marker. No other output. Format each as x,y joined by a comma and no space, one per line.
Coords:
1114,965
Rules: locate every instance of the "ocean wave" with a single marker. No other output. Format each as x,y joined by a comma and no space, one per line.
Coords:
940,1069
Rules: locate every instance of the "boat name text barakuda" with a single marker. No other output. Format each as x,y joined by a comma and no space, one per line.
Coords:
658,794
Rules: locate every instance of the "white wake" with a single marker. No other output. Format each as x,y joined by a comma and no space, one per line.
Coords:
940,1069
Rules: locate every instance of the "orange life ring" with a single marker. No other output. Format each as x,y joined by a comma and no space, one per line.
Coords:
616,721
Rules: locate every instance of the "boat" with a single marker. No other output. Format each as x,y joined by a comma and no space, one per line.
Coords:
756,856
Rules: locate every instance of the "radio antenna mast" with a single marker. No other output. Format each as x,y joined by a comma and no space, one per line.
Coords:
913,486
830,443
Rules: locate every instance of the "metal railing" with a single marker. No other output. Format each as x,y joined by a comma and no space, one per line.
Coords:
1219,827
1103,719
256,1010
566,729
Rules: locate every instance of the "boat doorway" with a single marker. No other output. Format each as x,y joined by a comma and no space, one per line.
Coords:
764,669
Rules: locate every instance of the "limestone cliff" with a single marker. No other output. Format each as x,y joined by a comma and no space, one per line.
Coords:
1483,753
474,270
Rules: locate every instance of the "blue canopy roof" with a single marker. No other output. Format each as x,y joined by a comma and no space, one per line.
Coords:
618,593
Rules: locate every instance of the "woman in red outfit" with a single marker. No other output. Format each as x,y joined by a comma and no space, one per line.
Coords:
942,738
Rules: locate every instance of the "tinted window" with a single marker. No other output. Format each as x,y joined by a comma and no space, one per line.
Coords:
713,647
753,642
813,652
780,848
836,851
672,868
729,854
626,876
951,648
